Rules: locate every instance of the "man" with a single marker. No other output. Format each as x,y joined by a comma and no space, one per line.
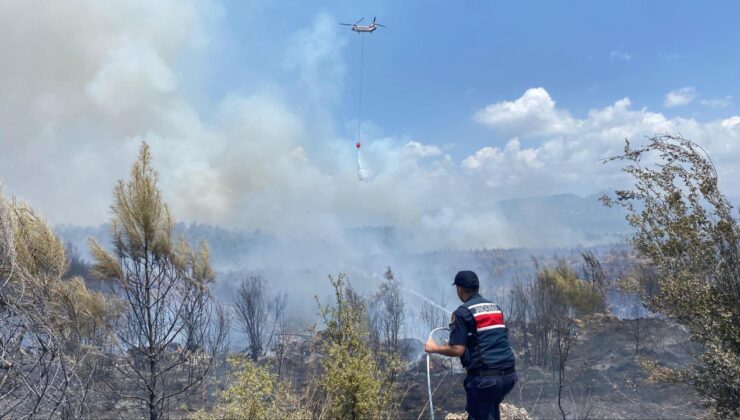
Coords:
478,336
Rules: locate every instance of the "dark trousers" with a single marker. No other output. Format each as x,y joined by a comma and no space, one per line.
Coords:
485,393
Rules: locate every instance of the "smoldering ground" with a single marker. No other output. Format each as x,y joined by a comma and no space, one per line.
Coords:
298,265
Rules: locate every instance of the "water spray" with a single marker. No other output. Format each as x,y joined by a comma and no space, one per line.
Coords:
429,375
426,299
431,334
362,173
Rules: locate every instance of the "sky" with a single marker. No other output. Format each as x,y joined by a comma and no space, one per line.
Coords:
251,107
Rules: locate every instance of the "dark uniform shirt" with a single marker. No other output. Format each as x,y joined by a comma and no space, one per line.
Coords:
478,324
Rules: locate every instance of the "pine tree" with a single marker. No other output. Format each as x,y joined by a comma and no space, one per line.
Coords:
171,326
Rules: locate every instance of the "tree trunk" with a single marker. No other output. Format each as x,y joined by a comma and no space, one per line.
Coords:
152,394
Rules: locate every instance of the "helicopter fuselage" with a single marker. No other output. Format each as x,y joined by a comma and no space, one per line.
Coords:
362,28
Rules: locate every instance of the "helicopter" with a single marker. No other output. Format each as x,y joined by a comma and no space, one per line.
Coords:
364,28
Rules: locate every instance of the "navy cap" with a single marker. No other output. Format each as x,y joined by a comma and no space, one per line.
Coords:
466,279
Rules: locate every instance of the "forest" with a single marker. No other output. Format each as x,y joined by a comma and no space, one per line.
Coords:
145,329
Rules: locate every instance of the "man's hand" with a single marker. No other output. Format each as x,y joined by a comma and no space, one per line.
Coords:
430,346
455,350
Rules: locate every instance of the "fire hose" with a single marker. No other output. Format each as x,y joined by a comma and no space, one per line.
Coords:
429,376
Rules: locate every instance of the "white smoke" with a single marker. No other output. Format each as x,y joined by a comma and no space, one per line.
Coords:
82,84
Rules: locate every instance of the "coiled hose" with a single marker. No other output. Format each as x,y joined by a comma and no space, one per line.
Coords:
429,376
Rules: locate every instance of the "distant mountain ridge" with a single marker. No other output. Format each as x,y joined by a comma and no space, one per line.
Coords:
586,215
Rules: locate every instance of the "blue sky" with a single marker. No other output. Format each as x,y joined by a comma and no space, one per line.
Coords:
251,107
438,62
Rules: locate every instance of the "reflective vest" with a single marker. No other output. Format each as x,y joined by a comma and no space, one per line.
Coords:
487,346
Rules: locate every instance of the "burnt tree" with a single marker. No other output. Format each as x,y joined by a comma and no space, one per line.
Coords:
171,326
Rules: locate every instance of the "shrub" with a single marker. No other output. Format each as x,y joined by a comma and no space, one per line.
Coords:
684,227
255,393
354,388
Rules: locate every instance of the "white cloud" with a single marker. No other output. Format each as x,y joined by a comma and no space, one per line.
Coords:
620,55
504,167
416,149
717,102
680,97
533,113
570,160
730,123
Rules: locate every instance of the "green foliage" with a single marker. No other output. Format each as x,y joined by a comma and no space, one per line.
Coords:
560,297
354,388
255,393
575,296
641,280
544,312
684,227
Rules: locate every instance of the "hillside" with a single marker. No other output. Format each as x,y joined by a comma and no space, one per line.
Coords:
604,379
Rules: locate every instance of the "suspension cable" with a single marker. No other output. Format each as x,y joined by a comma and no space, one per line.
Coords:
359,96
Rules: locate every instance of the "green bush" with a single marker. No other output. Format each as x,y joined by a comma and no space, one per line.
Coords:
577,297
353,386
685,229
255,393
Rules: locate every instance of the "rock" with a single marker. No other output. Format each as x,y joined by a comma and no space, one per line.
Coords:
508,412
512,412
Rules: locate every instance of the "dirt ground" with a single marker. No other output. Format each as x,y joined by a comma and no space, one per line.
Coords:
603,378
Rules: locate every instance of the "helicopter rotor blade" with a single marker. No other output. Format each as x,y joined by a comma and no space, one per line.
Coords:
361,19
374,19
346,24
382,26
